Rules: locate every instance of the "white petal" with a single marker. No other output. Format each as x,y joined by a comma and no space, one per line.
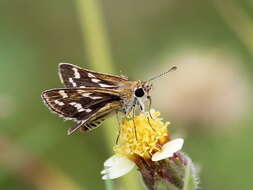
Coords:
111,161
116,166
168,149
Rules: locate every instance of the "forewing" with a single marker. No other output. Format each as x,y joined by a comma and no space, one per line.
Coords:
78,104
73,76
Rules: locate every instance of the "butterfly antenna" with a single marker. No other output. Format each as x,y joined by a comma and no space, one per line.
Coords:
162,74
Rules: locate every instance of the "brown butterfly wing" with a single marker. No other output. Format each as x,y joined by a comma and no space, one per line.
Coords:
81,105
73,76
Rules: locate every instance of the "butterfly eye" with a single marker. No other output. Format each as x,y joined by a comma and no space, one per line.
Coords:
139,92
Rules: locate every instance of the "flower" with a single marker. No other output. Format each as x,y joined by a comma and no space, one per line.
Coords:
142,140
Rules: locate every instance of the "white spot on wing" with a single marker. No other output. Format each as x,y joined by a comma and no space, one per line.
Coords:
76,73
95,97
105,85
89,95
82,86
87,110
59,103
79,107
86,94
72,82
95,80
63,94
91,75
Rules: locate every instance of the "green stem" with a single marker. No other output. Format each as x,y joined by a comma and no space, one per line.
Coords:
109,185
98,52
94,34
237,20
95,40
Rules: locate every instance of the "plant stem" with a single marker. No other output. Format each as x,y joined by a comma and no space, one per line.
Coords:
95,40
109,185
94,35
237,20
98,52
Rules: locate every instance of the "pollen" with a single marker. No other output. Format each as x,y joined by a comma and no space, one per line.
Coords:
142,135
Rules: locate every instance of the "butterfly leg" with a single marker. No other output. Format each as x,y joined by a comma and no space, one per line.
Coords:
135,131
119,131
149,123
149,106
150,115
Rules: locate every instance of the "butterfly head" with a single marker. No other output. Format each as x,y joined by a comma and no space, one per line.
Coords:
141,94
142,89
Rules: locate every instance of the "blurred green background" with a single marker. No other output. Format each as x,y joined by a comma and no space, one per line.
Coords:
208,99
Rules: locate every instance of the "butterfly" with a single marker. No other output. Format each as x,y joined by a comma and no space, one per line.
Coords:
90,97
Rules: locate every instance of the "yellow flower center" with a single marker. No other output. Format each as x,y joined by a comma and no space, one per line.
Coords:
142,136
